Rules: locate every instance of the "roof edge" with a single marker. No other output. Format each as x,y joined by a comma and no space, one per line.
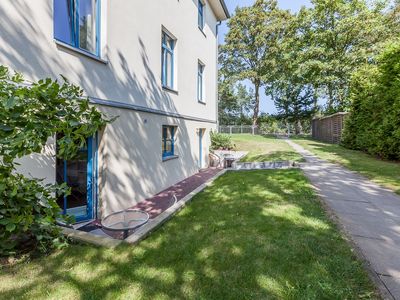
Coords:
225,8
333,115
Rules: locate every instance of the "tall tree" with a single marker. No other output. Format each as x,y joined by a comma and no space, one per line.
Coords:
293,96
227,101
235,101
339,36
252,45
294,102
393,18
245,100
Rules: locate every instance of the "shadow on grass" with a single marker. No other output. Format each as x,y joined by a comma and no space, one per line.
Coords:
256,234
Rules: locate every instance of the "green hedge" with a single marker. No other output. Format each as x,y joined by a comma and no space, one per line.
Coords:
374,123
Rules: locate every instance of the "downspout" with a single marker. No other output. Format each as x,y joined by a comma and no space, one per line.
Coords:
217,92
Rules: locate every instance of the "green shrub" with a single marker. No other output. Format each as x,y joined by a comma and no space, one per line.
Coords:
272,127
374,122
221,141
29,115
28,214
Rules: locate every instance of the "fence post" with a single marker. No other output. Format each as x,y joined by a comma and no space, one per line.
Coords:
241,128
252,129
230,129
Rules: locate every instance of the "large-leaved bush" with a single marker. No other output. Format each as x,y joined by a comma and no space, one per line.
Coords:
29,115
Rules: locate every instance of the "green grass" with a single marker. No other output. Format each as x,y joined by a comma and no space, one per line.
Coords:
251,235
385,173
264,148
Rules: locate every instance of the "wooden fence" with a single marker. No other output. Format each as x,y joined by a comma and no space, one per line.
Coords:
329,129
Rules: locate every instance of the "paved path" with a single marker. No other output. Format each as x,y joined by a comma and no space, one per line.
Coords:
369,213
159,203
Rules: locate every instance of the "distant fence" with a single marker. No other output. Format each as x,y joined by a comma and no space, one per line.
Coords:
233,129
282,129
329,129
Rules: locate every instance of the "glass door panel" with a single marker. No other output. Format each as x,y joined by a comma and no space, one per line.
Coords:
77,173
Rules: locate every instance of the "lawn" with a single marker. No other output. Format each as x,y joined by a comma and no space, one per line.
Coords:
264,148
251,235
385,173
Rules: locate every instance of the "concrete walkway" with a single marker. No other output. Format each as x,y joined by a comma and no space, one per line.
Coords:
370,215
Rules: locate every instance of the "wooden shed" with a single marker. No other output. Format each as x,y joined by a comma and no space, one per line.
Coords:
329,129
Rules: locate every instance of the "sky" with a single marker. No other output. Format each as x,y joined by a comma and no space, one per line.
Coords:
266,104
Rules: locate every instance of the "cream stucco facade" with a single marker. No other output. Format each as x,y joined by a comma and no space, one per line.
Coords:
125,81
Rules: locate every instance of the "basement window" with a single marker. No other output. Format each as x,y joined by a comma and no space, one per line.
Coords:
168,141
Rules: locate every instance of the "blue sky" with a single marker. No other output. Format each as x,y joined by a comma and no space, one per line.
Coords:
266,104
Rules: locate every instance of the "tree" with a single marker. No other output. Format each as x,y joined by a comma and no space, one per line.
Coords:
294,102
338,36
393,16
234,102
29,115
227,102
245,99
294,98
252,45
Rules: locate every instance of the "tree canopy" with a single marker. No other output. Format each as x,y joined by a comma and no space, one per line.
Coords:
305,58
337,37
252,44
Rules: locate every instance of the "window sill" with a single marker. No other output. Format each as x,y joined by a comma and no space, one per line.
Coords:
167,158
82,52
202,31
201,102
167,89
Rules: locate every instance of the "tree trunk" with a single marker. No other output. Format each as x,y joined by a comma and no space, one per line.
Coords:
257,102
287,127
315,98
330,96
298,128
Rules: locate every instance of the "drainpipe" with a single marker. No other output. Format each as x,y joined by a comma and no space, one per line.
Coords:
217,94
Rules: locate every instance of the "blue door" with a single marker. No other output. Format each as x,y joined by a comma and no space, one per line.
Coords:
78,174
201,133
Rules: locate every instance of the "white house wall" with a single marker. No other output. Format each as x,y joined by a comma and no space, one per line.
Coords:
129,72
131,46
130,160
40,166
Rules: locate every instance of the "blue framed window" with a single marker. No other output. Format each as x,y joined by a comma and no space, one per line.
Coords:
201,14
168,141
167,61
200,84
77,23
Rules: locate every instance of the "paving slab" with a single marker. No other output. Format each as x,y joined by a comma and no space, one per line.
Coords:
354,208
383,255
369,214
392,284
377,228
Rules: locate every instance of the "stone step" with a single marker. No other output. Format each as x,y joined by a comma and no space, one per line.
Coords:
268,165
